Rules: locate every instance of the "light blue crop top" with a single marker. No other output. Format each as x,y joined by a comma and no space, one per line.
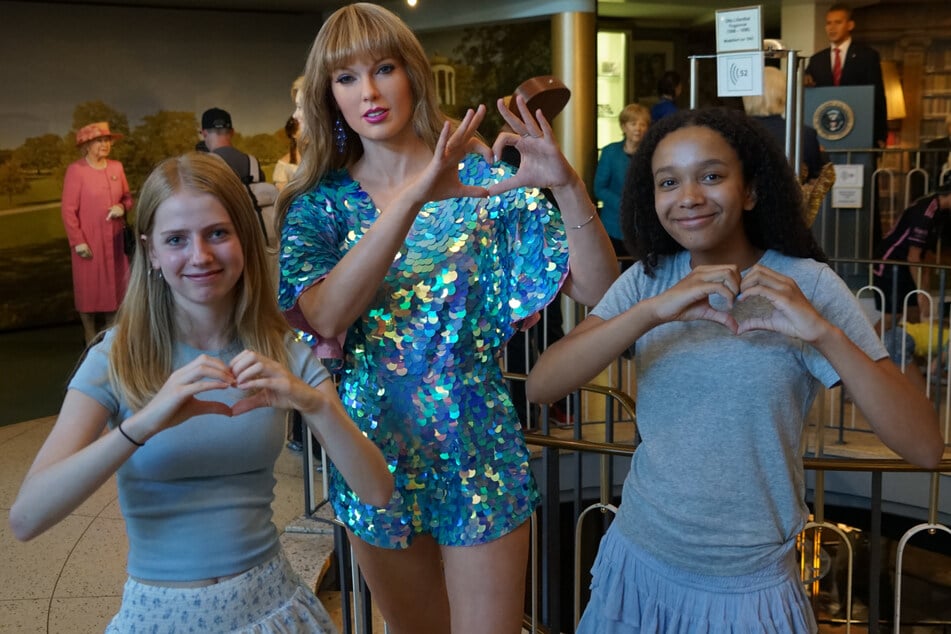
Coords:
197,497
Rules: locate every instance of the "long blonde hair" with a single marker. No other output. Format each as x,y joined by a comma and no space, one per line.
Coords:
140,360
354,31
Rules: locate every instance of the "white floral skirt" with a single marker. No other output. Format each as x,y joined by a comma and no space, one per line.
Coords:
268,599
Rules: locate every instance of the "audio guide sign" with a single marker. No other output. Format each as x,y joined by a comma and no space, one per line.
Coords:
740,52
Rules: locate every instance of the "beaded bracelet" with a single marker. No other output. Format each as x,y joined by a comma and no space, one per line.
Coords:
129,438
587,220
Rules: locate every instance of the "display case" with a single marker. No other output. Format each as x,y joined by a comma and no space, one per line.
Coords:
612,84
936,96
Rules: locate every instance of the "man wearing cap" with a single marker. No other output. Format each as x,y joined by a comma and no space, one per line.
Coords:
216,130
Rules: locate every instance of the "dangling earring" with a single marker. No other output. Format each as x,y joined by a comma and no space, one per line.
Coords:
340,135
157,274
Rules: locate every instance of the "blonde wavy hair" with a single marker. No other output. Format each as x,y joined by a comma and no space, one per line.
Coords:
140,359
773,99
355,31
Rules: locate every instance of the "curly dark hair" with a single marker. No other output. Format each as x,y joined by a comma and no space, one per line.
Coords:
776,222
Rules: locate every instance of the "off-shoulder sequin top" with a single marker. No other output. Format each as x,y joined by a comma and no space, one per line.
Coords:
420,372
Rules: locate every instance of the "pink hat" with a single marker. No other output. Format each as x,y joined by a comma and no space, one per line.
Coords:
94,131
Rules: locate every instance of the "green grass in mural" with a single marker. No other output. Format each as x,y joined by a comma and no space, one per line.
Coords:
32,225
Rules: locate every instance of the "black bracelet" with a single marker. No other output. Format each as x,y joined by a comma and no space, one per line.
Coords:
128,437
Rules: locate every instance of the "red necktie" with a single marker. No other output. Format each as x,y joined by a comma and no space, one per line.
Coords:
836,67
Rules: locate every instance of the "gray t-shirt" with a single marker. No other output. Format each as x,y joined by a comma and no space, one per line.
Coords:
197,497
716,487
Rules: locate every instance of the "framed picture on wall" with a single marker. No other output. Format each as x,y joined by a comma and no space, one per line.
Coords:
649,59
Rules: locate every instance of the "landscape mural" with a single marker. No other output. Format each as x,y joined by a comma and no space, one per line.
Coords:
150,73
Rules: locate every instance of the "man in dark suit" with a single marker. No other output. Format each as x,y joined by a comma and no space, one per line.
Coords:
848,63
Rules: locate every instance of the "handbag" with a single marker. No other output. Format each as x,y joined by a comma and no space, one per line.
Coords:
128,238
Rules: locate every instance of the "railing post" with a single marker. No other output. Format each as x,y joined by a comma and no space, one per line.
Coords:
875,554
551,541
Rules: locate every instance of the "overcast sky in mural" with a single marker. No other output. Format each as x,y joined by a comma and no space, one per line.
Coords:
140,61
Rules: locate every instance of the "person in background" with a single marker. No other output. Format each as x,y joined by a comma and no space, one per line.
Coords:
184,401
769,109
412,252
95,201
217,132
284,170
849,63
286,165
728,298
913,346
668,89
912,236
612,170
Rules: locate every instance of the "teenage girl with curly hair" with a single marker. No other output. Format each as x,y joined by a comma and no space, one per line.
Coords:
736,324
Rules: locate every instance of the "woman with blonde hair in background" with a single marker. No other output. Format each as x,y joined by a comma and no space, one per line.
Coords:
612,170
769,109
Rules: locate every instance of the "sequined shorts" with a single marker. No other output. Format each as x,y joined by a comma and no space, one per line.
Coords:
454,513
465,482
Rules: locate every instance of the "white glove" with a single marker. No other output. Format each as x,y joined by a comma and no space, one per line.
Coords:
116,211
83,251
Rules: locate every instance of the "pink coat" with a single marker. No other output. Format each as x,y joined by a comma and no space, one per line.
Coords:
100,282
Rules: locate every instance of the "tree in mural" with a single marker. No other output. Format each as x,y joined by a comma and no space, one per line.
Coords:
267,148
12,181
40,153
491,61
161,135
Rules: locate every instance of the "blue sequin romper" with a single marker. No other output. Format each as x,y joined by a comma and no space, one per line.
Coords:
420,372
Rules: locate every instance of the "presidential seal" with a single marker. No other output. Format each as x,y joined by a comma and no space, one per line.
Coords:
833,120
